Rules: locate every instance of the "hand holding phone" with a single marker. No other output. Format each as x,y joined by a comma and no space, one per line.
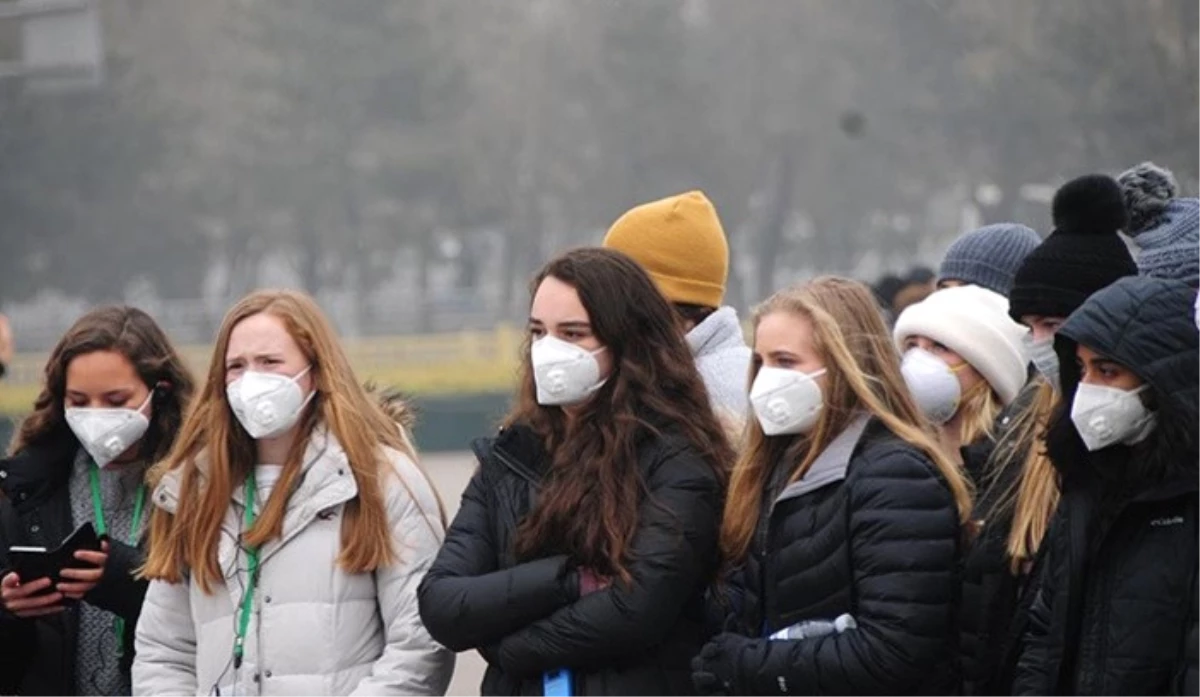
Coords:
37,562
29,600
77,582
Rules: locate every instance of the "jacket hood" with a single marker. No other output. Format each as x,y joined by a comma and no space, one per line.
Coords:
1145,324
394,404
718,332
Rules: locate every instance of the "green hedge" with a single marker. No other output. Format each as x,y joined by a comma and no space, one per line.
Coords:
451,423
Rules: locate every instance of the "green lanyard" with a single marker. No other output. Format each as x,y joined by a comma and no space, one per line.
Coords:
243,623
139,503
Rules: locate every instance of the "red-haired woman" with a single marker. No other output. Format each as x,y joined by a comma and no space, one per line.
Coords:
291,526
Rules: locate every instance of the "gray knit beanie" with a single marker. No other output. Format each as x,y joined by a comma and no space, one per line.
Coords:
1165,229
989,257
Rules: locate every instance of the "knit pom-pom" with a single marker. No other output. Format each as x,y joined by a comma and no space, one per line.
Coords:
1090,205
1148,189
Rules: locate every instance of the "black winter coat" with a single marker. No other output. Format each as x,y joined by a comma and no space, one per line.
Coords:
1115,612
870,530
527,618
995,601
37,656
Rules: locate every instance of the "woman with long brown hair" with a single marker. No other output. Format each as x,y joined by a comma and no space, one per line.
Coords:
291,526
114,395
844,519
589,532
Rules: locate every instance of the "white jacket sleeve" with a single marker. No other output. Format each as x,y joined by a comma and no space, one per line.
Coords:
412,662
165,641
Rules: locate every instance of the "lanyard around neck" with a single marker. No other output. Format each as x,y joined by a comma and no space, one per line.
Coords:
139,503
243,624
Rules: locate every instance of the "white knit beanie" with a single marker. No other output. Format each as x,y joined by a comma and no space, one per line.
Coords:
974,323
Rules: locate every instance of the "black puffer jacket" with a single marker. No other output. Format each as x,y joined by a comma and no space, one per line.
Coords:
527,618
994,599
1115,610
870,530
37,656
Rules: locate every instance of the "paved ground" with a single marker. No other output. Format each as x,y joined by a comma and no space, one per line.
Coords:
450,473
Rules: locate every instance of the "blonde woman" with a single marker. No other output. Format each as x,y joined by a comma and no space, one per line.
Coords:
964,361
843,518
291,527
1018,490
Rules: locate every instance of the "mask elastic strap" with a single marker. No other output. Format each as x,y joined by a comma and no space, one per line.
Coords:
145,403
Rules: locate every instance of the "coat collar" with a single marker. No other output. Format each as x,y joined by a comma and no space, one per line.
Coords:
719,331
833,462
29,475
326,481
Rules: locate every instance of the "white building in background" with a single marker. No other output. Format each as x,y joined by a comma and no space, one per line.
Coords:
61,44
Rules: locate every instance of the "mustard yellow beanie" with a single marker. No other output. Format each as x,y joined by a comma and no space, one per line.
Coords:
681,244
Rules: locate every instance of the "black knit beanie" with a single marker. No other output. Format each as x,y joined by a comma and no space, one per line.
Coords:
1081,256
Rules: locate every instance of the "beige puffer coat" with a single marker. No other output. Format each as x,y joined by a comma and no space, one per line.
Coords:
315,629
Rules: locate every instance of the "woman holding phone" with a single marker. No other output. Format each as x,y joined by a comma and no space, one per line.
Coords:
114,394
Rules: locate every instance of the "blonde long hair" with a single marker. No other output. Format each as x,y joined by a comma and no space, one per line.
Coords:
1032,495
862,373
187,541
980,408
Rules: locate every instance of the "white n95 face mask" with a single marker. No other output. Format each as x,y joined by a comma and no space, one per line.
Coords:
105,433
1106,416
564,373
932,383
267,404
1044,358
786,402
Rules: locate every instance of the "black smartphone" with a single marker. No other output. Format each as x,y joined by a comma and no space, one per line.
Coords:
33,563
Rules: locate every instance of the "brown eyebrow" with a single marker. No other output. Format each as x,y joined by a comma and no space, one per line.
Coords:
121,392
257,356
780,353
570,324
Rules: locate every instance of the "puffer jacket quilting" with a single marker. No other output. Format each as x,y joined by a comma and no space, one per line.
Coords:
527,617
873,532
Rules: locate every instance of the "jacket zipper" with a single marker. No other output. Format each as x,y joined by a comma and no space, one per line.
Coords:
1102,644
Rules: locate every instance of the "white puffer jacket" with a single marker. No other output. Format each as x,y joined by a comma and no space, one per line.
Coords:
315,629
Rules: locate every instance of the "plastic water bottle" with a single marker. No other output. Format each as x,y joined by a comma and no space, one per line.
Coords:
814,628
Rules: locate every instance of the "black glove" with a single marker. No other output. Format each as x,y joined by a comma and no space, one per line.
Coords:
715,670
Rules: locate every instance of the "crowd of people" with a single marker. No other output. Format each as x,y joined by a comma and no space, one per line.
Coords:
981,480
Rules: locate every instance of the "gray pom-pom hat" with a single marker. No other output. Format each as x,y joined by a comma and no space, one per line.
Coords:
1165,229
